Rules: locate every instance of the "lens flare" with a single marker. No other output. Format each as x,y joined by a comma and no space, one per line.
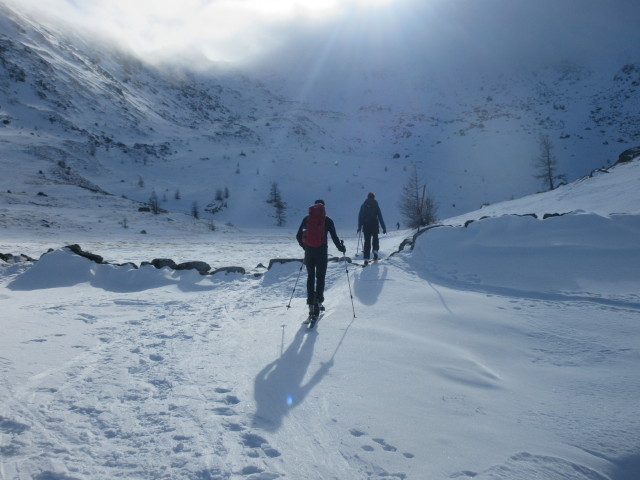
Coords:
289,400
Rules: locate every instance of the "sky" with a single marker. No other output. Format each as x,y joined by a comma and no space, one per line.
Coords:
487,32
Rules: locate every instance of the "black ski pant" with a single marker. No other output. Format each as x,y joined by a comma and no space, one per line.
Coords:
315,259
370,236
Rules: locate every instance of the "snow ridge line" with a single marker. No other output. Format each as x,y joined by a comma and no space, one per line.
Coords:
411,241
202,267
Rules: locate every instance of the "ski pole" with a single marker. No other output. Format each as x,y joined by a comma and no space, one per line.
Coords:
346,269
296,284
358,247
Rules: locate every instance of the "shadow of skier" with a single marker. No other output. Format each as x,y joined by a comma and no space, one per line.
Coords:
368,284
279,388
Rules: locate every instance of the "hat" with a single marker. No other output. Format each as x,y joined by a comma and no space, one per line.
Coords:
371,195
319,201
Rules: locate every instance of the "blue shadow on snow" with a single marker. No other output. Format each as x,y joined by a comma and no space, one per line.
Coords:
279,386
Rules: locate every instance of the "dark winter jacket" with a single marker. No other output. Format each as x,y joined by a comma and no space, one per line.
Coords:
369,216
329,228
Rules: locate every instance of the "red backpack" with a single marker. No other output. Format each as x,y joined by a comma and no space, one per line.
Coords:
315,235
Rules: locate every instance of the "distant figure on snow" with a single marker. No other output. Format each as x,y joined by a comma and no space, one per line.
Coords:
368,219
312,236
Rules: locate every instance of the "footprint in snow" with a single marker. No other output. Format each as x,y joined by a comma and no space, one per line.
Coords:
464,474
234,427
252,440
8,426
258,473
227,400
230,400
385,446
380,441
256,442
87,318
224,411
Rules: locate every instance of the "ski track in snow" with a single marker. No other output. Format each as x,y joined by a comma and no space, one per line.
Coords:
149,387
83,403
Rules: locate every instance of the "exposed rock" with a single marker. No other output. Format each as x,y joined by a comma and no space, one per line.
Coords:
78,251
11,258
239,270
201,267
629,155
163,262
125,264
282,260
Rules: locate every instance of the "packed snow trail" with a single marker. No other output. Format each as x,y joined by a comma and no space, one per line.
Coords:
150,388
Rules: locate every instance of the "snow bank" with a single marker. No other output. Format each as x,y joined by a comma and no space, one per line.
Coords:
571,254
605,192
63,268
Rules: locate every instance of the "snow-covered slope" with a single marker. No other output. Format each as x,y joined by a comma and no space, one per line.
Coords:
604,192
75,112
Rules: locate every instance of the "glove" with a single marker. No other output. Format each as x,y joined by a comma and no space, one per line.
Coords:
384,230
359,229
342,248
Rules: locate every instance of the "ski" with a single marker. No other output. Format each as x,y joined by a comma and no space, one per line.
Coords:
313,319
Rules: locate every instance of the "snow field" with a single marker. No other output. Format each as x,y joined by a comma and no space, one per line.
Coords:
455,366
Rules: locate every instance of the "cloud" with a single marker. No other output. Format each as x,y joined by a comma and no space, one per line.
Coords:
224,30
382,32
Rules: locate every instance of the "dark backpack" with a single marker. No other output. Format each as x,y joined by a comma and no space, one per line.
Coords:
315,235
369,212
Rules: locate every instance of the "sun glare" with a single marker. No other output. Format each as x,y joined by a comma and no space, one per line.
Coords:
226,30
373,2
290,6
309,6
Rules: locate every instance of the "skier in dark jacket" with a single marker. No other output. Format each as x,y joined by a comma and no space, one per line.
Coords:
368,219
315,252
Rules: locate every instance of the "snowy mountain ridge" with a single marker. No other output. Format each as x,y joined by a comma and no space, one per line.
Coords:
131,129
